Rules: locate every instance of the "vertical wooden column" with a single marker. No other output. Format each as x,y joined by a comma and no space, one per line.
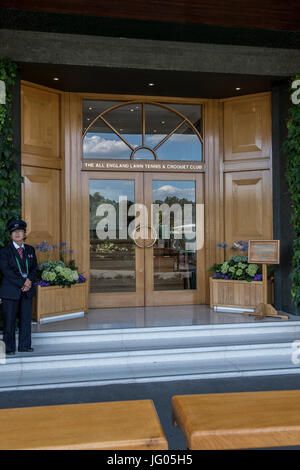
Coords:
66,164
265,283
213,154
73,182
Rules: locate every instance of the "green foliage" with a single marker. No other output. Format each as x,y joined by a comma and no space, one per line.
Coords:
10,179
238,268
291,148
53,272
56,273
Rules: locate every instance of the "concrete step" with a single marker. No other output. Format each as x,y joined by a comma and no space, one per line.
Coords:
152,354
140,339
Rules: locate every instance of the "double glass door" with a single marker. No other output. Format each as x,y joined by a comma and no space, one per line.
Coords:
146,239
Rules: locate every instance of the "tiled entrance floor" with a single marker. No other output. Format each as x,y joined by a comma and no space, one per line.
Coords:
143,317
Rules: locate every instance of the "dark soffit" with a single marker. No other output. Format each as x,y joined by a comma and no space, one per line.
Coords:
133,81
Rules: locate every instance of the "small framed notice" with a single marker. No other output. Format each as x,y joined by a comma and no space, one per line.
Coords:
263,251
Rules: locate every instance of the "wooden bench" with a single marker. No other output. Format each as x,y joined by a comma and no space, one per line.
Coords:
123,425
238,420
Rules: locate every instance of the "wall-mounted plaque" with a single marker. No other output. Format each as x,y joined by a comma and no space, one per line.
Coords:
142,165
2,92
263,251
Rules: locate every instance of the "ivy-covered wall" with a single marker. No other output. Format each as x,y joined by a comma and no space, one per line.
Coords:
10,179
292,150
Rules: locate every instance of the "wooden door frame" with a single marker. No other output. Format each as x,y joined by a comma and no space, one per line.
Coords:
145,294
73,174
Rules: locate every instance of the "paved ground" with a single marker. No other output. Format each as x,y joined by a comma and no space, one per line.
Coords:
160,393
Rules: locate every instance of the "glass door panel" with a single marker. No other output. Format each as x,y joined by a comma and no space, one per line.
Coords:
112,251
175,270
174,253
154,259
116,267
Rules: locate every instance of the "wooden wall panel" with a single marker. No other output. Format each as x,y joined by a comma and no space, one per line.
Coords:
214,211
247,127
42,138
73,181
41,204
248,206
238,171
40,111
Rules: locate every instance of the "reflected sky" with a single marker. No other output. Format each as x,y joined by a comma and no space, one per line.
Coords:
113,189
180,189
182,147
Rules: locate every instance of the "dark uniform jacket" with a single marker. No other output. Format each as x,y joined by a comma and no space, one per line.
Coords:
12,278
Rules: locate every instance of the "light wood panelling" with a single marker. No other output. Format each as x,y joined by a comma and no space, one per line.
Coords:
41,162
122,425
55,300
74,183
248,206
247,128
246,165
231,293
65,173
238,420
237,164
214,211
160,99
41,204
41,135
40,111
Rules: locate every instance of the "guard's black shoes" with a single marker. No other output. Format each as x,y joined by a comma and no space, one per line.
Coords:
26,350
10,353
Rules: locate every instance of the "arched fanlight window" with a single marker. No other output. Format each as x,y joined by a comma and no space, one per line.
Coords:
142,130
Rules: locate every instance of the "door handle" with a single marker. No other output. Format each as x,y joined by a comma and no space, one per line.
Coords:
135,236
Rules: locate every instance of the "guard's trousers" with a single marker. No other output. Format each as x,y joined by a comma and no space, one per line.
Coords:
11,309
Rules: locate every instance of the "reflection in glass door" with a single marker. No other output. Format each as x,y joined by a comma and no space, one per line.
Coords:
112,251
175,262
153,259
174,253
116,266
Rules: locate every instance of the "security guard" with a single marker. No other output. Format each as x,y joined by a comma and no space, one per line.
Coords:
18,265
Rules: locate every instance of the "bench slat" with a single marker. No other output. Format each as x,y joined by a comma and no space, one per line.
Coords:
110,425
239,420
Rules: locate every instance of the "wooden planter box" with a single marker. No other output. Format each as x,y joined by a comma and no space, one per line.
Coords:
242,294
56,300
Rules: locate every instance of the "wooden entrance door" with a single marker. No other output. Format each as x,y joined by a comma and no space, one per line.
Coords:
116,265
127,269
175,263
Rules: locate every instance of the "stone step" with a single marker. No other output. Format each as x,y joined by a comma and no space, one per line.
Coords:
74,358
133,339
148,365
